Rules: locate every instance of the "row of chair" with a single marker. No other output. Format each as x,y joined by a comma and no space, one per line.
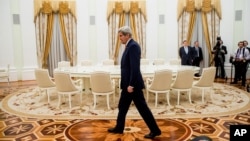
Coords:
161,61
4,74
163,82
101,84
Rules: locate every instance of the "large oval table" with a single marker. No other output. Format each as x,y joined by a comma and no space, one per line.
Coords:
147,70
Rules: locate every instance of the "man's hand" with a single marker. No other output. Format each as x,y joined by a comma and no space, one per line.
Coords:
130,89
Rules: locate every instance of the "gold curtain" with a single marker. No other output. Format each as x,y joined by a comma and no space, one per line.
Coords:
205,5
48,40
191,9
211,14
206,33
64,9
118,6
48,7
118,9
54,4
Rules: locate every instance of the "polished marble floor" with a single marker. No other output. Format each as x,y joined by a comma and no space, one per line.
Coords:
14,128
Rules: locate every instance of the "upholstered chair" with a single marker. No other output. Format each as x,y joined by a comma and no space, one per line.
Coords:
161,84
183,83
102,84
206,80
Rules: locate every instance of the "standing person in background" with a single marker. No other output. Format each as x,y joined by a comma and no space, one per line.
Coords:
198,55
241,58
219,52
186,54
245,43
248,61
132,84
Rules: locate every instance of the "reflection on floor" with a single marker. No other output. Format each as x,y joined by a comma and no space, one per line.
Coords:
29,129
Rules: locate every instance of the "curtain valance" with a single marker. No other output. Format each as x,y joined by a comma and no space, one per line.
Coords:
125,6
198,5
49,6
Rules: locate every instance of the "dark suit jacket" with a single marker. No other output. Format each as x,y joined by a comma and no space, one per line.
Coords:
216,52
186,59
130,67
200,53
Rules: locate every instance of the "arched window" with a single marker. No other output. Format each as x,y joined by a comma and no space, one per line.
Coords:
55,25
199,20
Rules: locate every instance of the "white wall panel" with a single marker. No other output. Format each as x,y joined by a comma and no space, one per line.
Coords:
92,40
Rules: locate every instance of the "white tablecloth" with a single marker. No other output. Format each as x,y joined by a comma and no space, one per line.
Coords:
147,70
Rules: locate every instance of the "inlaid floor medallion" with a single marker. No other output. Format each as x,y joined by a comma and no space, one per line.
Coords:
88,130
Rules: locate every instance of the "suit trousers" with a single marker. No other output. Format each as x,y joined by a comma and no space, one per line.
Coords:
141,105
196,61
240,72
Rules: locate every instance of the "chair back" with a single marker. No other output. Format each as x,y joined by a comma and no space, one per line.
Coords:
108,62
101,82
184,79
86,63
159,61
207,77
144,61
5,73
43,79
162,80
64,82
174,62
63,64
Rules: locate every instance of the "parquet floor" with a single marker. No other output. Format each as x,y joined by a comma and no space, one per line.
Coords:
14,128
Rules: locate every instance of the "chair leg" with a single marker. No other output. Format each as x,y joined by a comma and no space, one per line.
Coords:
156,99
39,92
59,101
94,100
203,93
178,98
47,93
189,94
108,101
8,82
167,97
70,101
81,98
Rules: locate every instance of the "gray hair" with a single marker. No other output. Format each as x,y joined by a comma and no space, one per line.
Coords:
125,30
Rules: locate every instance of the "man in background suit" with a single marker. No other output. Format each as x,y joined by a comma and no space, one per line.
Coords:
132,84
219,51
245,42
198,55
186,54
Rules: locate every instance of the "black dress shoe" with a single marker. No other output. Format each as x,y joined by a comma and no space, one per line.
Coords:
152,135
114,130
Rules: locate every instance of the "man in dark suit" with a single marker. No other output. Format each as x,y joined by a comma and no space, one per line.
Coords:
198,55
186,54
132,84
219,52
